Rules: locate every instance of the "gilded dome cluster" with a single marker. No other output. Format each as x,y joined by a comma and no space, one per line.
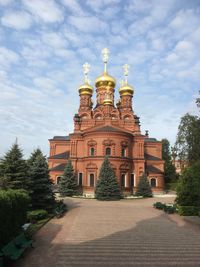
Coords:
106,80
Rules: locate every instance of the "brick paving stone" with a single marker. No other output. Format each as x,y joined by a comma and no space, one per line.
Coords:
115,233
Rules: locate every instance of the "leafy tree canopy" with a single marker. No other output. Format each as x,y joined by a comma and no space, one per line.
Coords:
188,139
169,168
188,191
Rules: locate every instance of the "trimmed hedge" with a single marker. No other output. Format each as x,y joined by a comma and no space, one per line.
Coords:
170,208
13,209
188,210
36,215
159,205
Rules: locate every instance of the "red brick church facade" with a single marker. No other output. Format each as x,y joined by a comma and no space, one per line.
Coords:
107,129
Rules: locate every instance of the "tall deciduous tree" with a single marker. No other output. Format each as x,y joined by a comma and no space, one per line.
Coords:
42,195
188,191
169,168
68,182
14,170
188,139
144,188
107,187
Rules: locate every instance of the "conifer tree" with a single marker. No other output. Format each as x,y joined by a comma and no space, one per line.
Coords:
37,152
144,188
68,184
13,169
34,154
107,187
42,195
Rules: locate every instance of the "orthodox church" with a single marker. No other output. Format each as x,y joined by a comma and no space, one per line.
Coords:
107,129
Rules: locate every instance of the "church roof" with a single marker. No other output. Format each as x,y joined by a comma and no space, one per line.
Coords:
61,137
152,169
151,157
107,128
150,140
59,167
64,155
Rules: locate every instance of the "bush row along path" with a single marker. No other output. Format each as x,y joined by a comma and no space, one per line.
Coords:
116,233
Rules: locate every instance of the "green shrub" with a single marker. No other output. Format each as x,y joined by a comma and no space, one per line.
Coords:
169,209
36,215
159,205
188,190
199,213
188,210
13,211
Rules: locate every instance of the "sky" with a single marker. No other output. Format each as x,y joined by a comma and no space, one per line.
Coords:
44,43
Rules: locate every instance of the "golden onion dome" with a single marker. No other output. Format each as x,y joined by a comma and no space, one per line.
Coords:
85,89
105,79
126,90
108,101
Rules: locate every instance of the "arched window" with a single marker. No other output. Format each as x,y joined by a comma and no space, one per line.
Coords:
91,181
123,177
92,151
108,151
123,152
132,182
58,179
80,179
153,182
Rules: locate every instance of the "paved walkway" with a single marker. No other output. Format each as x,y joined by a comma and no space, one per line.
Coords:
121,233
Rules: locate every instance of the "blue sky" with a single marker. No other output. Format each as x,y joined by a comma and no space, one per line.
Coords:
44,43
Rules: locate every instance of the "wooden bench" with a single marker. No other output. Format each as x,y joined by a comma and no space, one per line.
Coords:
15,248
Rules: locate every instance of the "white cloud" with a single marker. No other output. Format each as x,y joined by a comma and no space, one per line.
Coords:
99,5
45,10
74,7
184,22
88,24
8,57
55,40
17,20
5,2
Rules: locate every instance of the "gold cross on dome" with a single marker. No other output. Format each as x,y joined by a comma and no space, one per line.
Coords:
86,69
126,71
105,53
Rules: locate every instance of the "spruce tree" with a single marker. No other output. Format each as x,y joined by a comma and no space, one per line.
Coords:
68,184
107,187
34,154
42,195
13,169
144,188
37,152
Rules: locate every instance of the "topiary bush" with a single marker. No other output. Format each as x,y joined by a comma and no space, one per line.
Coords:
36,215
188,210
